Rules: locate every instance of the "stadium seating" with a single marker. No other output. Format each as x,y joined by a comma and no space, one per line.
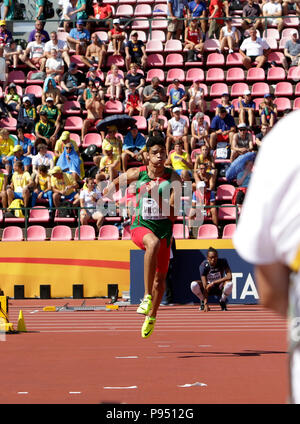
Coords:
61,233
108,232
180,231
87,232
12,233
36,233
228,231
207,231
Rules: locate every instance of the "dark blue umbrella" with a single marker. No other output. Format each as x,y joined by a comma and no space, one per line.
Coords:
238,165
122,122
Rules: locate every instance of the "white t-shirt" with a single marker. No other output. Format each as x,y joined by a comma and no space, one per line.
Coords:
177,126
61,45
199,129
254,48
228,33
42,159
36,49
54,64
272,8
87,199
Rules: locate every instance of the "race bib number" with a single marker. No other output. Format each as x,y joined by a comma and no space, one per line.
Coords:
150,210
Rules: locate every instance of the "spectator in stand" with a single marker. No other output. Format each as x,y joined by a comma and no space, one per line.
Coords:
115,83
12,99
134,148
177,130
111,138
9,13
197,9
42,158
6,146
93,80
205,157
135,77
45,130
63,186
242,180
34,54
154,97
79,38
3,70
102,14
80,12
53,115
254,49
110,165
229,37
292,50
61,47
95,53
223,128
225,103
180,161
116,37
89,197
39,27
205,193
194,40
176,12
133,104
12,54
39,10
3,186
61,143
177,95
5,35
216,10
21,183
135,51
155,124
242,142
200,131
27,115
264,129
69,15
252,13
95,109
268,110
55,66
24,142
196,102
272,8
50,90
246,109
42,186
73,82
69,161
18,155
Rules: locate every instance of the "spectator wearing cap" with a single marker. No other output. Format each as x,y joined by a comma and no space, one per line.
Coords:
292,50
222,127
133,105
110,165
21,184
60,144
79,38
27,115
246,109
95,53
268,110
60,45
39,27
229,37
225,103
180,161
63,186
70,162
251,14
45,130
135,51
134,148
196,102
34,54
176,12
73,81
135,77
177,95
12,99
102,12
12,53
193,40
242,142
53,114
5,35
273,12
154,97
18,155
177,130
116,37
254,50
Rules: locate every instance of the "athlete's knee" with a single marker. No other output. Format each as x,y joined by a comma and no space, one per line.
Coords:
195,287
228,288
152,245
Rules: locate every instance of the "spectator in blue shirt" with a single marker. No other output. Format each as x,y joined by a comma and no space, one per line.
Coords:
246,109
225,103
177,95
223,128
18,155
23,141
176,10
79,37
134,147
197,9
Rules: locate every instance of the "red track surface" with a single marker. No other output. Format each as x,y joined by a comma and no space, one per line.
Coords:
93,357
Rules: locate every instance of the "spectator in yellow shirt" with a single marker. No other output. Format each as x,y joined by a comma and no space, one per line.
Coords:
3,194
6,146
63,186
110,139
180,161
109,165
21,183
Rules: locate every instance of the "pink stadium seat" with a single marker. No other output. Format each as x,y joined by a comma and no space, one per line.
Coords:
276,74
194,73
87,232
173,46
142,10
218,89
154,46
75,58
9,123
140,24
294,73
31,81
297,89
61,233
227,213
256,74
291,22
108,232
158,34
260,89
194,154
282,43
113,106
36,233
283,88
234,59
225,192
39,214
174,59
75,137
283,103
271,33
71,107
215,74
215,59
160,9
73,123
62,35
238,89
126,235
142,36
12,233
17,77
92,138
235,74
155,59
178,232
34,89
207,231
175,73
115,60
273,44
296,103
159,73
159,23
102,35
276,57
228,231
213,104
124,10
286,32
257,102
235,103
141,123
211,44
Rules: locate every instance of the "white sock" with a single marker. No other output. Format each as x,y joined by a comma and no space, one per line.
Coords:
196,290
226,291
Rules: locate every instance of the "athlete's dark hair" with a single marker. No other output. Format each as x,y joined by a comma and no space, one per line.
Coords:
155,141
212,250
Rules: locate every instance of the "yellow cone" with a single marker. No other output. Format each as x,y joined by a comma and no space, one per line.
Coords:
21,322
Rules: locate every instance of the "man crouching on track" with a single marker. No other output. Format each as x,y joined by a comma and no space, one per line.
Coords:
158,192
215,280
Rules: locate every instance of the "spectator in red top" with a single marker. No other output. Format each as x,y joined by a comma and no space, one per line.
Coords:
102,13
117,37
193,40
215,11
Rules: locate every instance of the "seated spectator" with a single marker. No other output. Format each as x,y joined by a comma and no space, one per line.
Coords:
61,143
155,124
12,99
95,109
292,50
96,81
50,89
45,130
6,146
229,37
110,165
42,186
34,54
223,128
63,187
69,13
177,95
18,156
177,130
69,161
254,49
176,10
135,77
89,197
73,82
115,82
5,35
27,115
61,47
116,37
242,142
112,139
243,180
135,52
12,53
268,110
39,27
42,158
273,11
154,97
102,12
134,148
133,105
246,109
200,131
205,157
225,103
95,53
180,161
197,9
252,13
54,66
196,102
193,41
24,142
3,186
79,38
3,70
216,10
53,114
21,183
264,129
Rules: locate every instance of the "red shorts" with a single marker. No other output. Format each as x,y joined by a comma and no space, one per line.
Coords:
221,137
163,256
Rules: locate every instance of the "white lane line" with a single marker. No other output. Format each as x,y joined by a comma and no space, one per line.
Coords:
120,388
75,393
126,357
34,312
23,393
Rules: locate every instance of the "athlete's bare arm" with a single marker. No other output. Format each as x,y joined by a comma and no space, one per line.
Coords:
122,180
